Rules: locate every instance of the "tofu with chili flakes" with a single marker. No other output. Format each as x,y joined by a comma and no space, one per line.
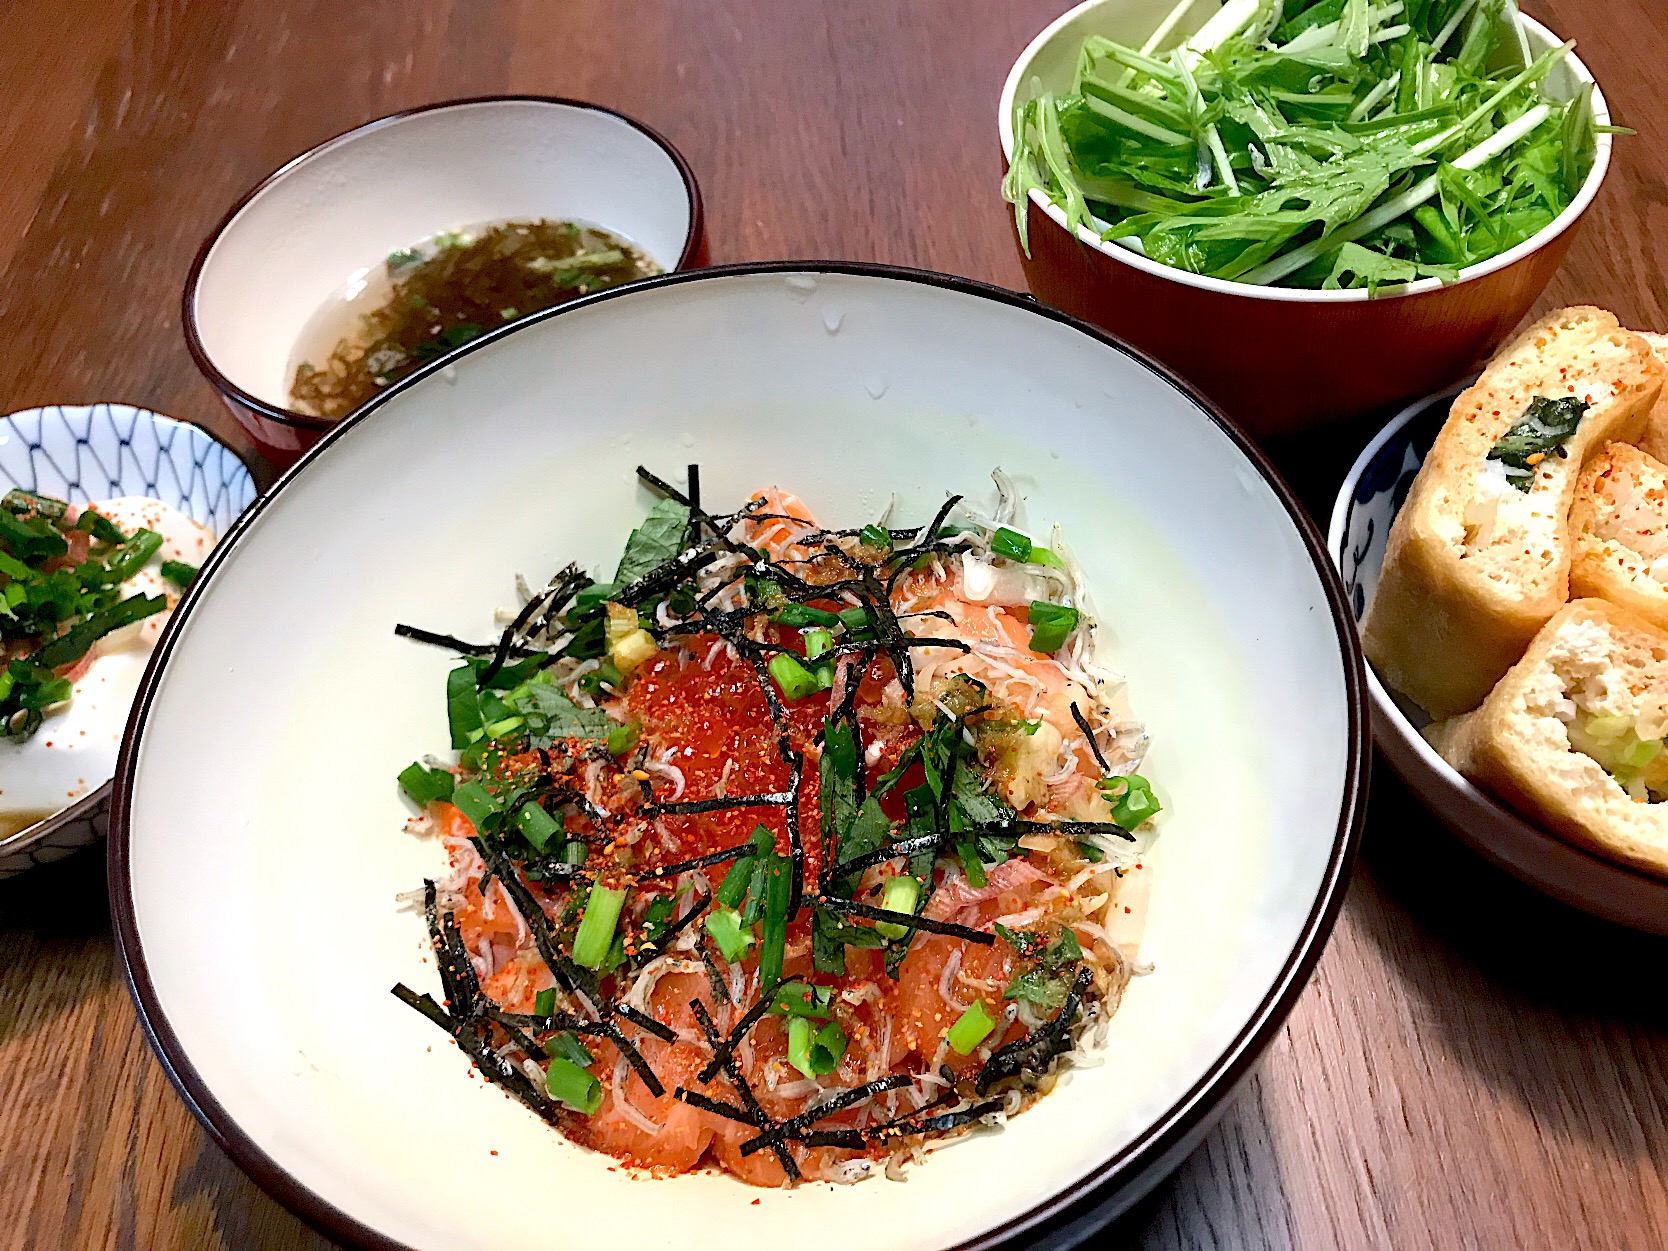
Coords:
1620,525
1474,567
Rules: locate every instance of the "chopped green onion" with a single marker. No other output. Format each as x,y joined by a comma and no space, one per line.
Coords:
773,931
132,555
970,1029
1132,800
817,641
544,1003
572,1085
815,1052
798,616
898,895
68,648
1045,556
854,618
596,927
875,536
498,729
178,572
623,738
1010,543
475,803
565,1046
798,999
536,825
794,679
1051,624
424,785
733,937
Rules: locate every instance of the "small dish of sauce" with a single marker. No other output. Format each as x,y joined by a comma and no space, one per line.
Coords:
425,300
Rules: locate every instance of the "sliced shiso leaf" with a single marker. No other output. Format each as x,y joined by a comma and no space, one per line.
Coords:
656,541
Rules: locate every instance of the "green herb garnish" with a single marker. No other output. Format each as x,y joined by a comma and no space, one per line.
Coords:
1544,428
1051,625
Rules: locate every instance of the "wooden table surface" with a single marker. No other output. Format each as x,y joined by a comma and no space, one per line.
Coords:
1472,1065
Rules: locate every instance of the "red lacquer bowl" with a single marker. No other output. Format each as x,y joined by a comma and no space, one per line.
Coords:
1280,360
316,225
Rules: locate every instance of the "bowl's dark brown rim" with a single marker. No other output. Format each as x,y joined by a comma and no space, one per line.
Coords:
305,421
1076,1206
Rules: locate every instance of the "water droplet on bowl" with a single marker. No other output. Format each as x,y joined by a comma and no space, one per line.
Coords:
800,286
876,387
831,319
688,439
450,373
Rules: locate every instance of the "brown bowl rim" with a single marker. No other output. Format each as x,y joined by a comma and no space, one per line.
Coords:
306,421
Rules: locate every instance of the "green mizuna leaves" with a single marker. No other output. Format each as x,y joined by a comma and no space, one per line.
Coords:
1351,145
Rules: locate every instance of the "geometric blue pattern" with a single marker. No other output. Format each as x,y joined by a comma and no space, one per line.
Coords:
101,451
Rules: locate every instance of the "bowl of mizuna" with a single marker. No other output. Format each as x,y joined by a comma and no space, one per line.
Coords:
1309,211
790,793
392,245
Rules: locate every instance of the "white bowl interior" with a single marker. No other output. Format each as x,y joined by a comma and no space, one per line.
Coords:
263,793
1049,63
343,207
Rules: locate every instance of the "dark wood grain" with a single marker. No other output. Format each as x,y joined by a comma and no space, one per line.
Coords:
1473,1066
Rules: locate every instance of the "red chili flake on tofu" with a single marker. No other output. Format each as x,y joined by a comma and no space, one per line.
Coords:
755,1203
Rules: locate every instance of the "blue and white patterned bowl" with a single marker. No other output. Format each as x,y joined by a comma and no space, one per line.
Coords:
99,452
1367,503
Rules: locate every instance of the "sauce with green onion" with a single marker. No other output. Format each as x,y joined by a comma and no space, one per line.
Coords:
421,302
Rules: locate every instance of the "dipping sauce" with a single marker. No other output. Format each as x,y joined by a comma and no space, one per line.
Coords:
73,751
423,301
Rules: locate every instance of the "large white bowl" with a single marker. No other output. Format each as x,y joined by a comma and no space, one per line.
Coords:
258,845
1366,506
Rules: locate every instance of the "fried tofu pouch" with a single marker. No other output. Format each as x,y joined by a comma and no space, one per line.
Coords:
1619,526
1572,737
1654,441
1473,567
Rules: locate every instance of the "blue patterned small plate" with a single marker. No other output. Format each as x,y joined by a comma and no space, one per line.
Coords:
97,452
1367,503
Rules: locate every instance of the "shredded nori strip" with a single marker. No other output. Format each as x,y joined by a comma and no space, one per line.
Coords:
839,1103
451,643
880,855
717,1107
492,1066
561,967
664,940
689,807
715,979
743,1088
724,1049
646,1023
1036,1051
554,597
1072,829
1089,736
906,919
699,862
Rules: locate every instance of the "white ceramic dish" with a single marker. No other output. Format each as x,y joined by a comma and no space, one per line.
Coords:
303,233
1361,517
99,452
258,845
